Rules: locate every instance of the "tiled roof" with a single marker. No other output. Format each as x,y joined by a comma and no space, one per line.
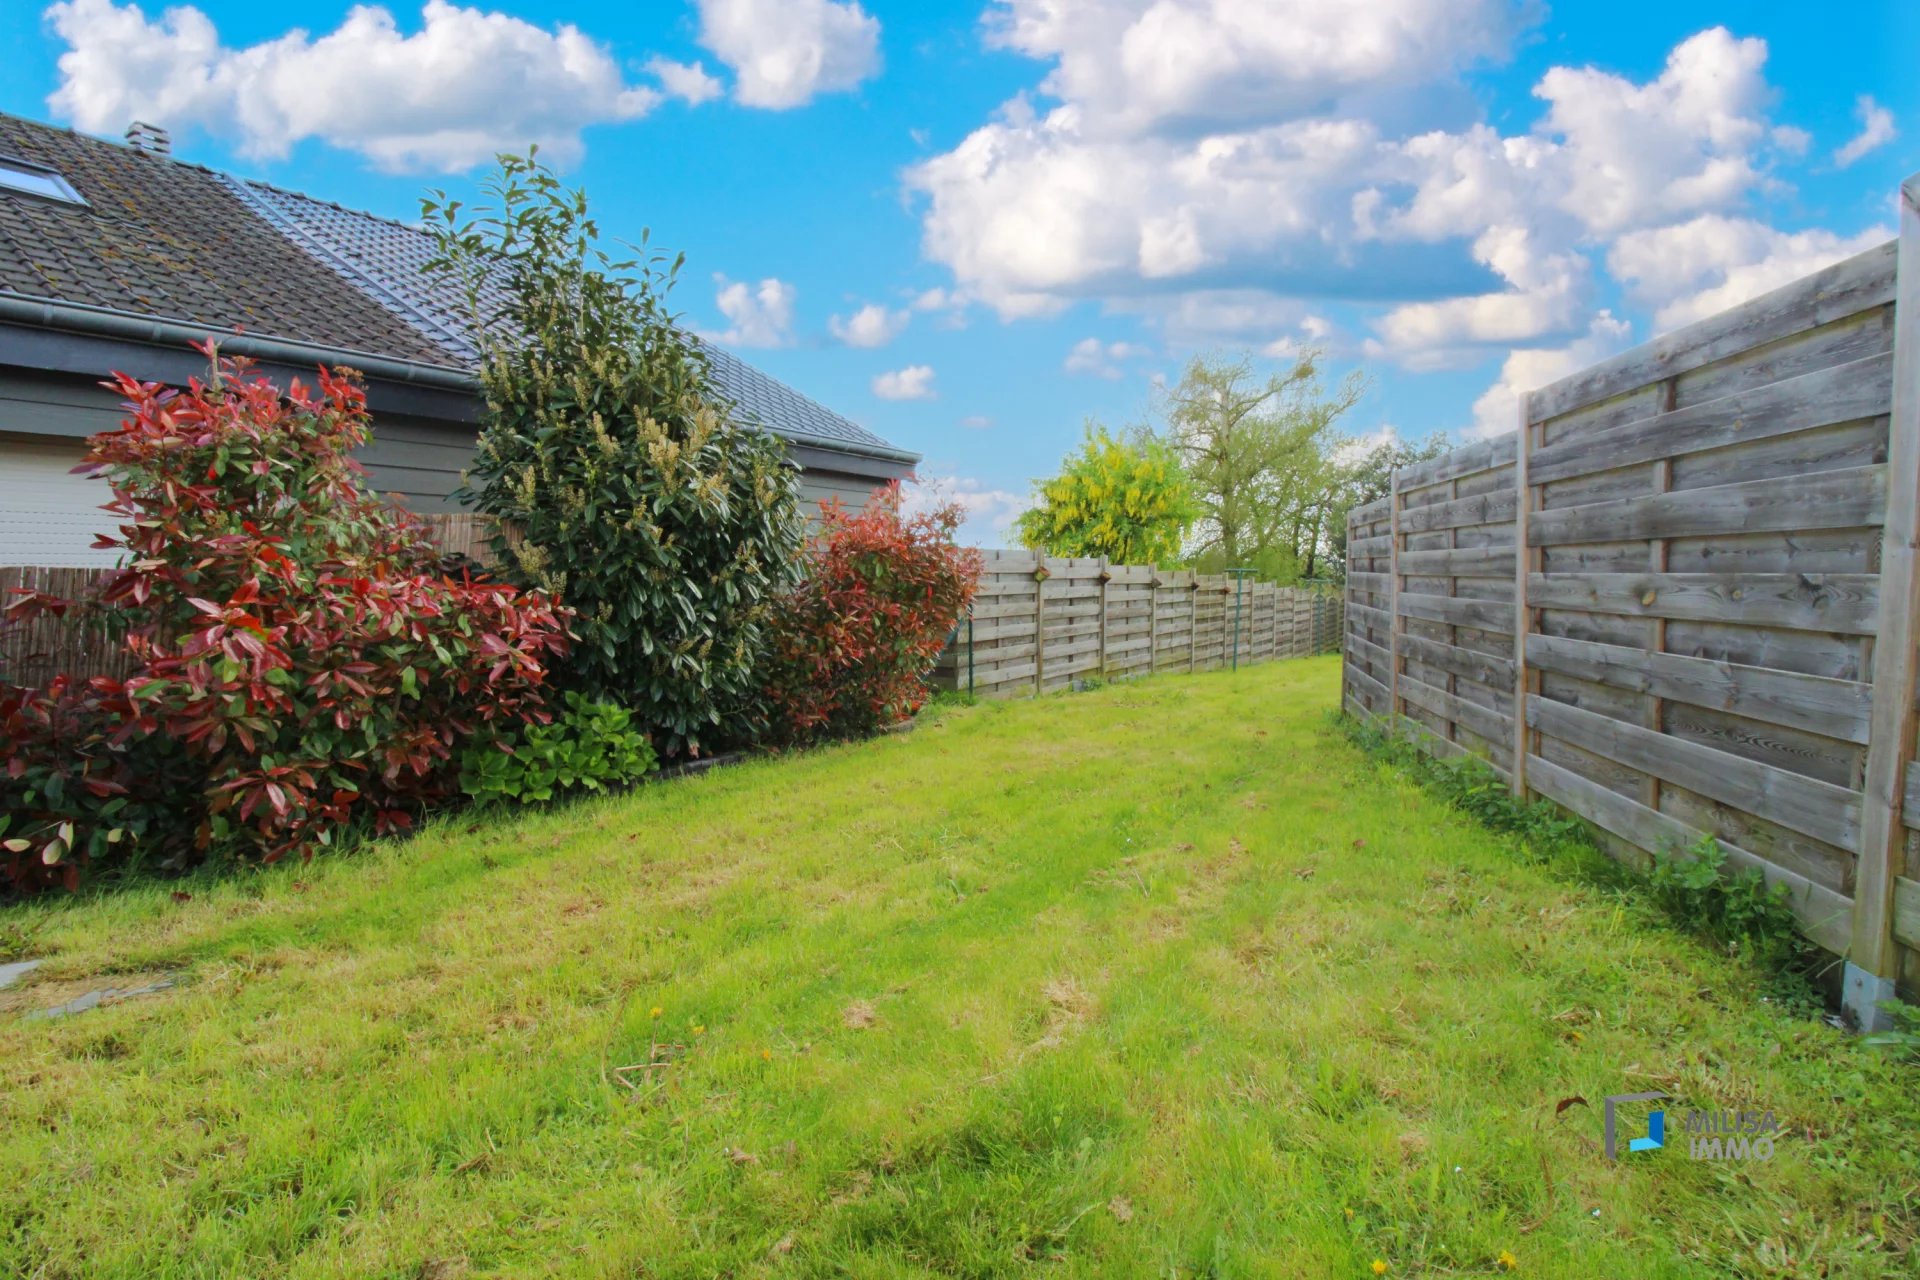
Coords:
159,238
388,260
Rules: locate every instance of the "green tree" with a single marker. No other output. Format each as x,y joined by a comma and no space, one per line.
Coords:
1261,452
1128,499
622,480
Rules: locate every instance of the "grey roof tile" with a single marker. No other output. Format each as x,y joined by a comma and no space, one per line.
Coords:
388,259
160,238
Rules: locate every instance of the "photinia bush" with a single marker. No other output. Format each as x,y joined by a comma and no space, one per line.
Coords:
74,790
851,646
292,638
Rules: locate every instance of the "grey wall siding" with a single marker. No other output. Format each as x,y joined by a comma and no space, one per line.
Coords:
818,486
45,405
417,459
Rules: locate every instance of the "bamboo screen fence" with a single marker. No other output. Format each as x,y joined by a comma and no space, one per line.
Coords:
1710,541
1040,623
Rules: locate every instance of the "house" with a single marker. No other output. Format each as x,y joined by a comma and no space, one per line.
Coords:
116,256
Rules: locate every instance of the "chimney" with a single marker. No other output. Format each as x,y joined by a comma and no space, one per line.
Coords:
150,138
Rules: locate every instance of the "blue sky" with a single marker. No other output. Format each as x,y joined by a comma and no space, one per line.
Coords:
972,226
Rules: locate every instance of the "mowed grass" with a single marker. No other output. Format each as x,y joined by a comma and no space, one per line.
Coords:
1165,979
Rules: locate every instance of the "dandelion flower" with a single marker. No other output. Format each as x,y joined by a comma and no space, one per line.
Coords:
767,1054
657,1011
1379,1266
1506,1261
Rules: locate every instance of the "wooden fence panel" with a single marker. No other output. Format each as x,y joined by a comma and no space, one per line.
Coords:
1117,621
1694,533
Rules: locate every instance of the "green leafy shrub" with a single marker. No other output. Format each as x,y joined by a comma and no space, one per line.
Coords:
1737,908
630,490
78,790
590,746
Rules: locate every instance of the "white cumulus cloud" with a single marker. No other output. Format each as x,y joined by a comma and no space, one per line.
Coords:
687,81
758,315
990,511
784,53
915,382
1876,131
468,83
1692,269
1134,64
871,326
1138,189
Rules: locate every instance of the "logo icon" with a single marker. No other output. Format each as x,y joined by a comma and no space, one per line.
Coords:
1656,1124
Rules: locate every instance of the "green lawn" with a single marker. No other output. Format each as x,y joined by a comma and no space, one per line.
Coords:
1166,979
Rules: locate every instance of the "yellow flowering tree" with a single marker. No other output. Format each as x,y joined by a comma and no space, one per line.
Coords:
1125,498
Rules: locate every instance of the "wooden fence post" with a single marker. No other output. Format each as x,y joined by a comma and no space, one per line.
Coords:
1039,622
1153,620
1522,619
1105,573
1872,955
1193,625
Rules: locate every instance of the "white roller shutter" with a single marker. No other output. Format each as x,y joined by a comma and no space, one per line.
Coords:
48,515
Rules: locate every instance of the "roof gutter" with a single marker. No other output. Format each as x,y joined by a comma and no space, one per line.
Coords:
80,317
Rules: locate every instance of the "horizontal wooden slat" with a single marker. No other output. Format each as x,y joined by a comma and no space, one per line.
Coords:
1836,708
1483,508
1460,562
1846,288
1464,461
1379,619
1850,499
1485,721
1826,916
1483,668
1367,682
1844,603
1814,808
1487,615
1841,393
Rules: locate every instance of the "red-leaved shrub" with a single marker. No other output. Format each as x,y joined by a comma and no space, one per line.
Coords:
293,639
851,646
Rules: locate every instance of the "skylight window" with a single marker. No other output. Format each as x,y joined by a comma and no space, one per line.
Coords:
33,180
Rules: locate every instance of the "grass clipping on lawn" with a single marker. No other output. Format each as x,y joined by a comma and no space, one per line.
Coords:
1163,979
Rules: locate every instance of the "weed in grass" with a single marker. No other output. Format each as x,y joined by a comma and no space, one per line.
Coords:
1902,1039
1734,909
17,937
